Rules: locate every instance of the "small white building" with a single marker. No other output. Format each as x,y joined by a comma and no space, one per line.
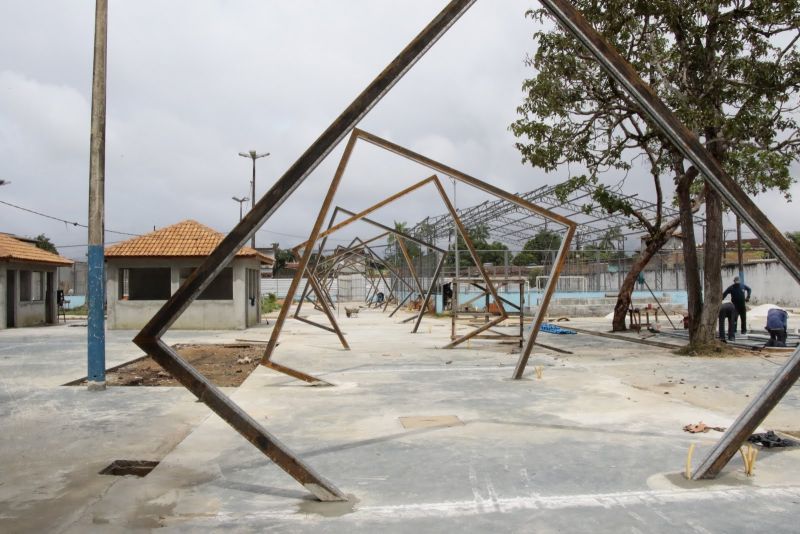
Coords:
143,272
28,283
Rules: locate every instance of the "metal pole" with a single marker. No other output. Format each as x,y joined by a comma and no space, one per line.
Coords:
96,337
252,201
739,249
455,229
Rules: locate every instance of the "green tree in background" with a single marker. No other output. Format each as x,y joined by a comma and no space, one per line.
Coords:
730,70
538,249
43,242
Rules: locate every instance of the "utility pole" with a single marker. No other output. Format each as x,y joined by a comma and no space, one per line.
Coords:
96,339
254,156
240,201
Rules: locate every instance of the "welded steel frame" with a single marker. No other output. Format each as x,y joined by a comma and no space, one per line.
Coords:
558,263
353,250
149,338
310,244
455,312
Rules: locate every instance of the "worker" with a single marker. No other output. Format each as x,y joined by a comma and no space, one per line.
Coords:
737,292
777,320
727,311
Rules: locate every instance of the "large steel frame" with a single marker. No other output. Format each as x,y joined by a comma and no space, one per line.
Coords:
149,338
309,245
361,249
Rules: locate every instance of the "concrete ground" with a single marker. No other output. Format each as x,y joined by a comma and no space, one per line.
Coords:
595,445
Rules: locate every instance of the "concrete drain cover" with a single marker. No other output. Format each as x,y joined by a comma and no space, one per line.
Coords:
427,421
121,468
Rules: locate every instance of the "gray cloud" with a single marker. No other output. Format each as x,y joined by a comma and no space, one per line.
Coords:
191,83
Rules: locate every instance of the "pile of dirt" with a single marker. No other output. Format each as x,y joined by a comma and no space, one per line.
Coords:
224,365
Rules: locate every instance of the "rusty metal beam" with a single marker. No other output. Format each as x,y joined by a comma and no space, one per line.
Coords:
149,337
424,308
736,198
509,197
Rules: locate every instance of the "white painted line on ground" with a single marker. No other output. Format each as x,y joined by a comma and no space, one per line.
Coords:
478,506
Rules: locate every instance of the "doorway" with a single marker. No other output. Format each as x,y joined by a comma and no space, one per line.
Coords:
49,308
11,298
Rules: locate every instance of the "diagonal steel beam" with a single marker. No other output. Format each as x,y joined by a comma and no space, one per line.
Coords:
736,198
149,337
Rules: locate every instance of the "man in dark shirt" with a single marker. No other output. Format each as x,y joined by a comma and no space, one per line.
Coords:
777,322
727,311
738,298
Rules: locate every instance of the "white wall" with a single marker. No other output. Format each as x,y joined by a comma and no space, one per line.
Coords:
200,315
30,313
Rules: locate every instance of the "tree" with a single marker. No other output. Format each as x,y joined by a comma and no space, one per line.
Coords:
794,237
539,248
394,254
487,252
729,69
282,257
43,242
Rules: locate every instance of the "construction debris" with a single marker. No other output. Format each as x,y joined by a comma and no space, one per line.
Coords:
702,427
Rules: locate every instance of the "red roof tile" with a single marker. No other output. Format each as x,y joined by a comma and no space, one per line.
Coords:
15,250
185,239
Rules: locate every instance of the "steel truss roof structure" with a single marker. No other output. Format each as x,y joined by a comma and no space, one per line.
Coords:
510,225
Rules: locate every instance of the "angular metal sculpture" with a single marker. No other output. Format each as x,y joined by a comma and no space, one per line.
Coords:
459,176
362,216
149,339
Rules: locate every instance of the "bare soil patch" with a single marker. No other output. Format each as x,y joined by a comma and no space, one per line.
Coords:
225,365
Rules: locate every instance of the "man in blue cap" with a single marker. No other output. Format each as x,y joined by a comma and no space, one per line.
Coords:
737,292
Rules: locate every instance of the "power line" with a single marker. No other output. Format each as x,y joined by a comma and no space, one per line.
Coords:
73,223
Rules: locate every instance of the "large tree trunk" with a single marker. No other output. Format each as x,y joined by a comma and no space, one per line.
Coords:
712,265
624,296
691,268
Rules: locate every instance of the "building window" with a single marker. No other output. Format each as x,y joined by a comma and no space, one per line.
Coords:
37,285
145,283
25,286
221,288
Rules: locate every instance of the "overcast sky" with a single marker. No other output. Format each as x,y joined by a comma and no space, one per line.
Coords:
193,82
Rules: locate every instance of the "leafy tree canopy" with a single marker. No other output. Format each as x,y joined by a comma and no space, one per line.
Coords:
539,248
44,243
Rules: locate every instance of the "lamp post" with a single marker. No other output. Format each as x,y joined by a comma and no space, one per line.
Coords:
253,155
240,201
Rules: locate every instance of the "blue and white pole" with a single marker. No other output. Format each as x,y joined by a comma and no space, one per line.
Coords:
96,342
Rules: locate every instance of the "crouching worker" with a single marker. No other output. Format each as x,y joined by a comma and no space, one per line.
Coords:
777,320
727,311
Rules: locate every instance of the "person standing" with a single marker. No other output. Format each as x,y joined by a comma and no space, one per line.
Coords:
777,323
727,311
737,292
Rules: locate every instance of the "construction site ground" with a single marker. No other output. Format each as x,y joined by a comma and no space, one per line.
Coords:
421,438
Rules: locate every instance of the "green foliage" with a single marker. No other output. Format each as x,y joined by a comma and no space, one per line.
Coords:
729,69
43,242
282,257
794,237
487,252
542,247
269,303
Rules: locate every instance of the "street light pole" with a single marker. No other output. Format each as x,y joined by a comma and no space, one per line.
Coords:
252,154
240,201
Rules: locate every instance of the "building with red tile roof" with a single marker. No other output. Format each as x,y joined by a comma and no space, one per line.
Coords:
28,283
143,272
